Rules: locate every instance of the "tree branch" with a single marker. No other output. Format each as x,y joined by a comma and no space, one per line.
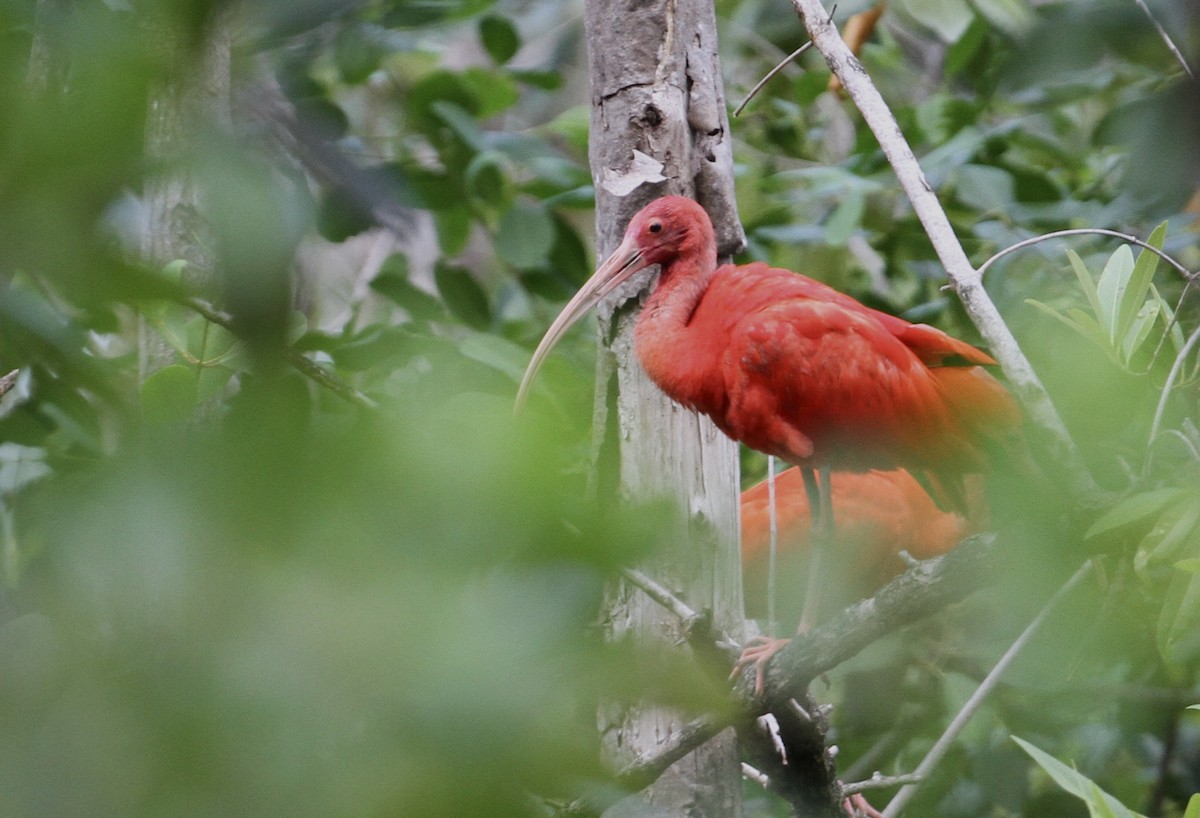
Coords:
966,279
912,596
929,587
310,369
942,745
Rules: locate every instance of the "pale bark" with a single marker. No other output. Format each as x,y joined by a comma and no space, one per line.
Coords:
659,127
194,99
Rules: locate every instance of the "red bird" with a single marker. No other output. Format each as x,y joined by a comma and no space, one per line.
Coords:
879,514
791,367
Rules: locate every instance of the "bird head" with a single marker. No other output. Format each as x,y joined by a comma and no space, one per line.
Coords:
662,232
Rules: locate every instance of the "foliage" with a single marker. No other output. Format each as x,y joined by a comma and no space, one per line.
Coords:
229,589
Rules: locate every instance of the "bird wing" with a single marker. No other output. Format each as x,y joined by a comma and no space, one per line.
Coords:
811,373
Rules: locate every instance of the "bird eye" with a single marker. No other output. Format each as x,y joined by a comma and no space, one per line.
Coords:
655,227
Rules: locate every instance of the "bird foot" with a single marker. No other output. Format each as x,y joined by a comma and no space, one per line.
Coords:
856,806
758,652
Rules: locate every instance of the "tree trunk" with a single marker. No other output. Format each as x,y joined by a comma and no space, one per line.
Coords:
659,127
179,112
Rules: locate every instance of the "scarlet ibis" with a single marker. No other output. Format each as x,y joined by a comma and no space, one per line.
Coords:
792,367
879,514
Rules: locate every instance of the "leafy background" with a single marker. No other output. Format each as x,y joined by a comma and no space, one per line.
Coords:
228,590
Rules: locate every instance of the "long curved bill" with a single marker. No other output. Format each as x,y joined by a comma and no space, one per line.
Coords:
624,262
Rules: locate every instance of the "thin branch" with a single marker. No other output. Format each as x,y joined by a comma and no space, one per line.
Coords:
786,60
942,745
910,597
1166,38
660,594
8,381
310,369
755,775
966,280
1080,231
879,782
698,627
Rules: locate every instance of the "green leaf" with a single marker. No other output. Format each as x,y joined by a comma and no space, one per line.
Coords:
463,295
461,122
495,91
960,52
1133,509
1077,783
210,381
453,229
1110,290
946,18
499,37
984,187
356,57
392,282
525,236
1178,632
496,352
1014,17
846,218
1193,807
1085,281
486,178
1172,530
1169,322
1139,282
169,395
1139,330
438,88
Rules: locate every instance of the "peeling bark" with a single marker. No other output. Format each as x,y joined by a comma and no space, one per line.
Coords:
659,127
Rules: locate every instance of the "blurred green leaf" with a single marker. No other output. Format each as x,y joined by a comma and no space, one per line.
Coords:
169,395
1134,509
499,37
1076,783
1178,632
1111,288
949,19
525,236
496,92
486,179
846,218
463,295
453,228
392,282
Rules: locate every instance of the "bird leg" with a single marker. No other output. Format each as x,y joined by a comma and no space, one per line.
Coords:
759,650
821,510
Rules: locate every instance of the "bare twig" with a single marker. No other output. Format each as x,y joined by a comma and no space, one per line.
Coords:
771,74
966,280
8,381
659,594
1081,231
310,369
1166,38
879,782
942,745
755,775
913,595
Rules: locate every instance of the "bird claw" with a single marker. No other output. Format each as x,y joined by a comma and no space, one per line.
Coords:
758,651
856,806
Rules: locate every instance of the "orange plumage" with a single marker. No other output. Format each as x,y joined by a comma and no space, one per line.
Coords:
879,514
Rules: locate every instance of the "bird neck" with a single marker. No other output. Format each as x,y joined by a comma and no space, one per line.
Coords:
671,351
